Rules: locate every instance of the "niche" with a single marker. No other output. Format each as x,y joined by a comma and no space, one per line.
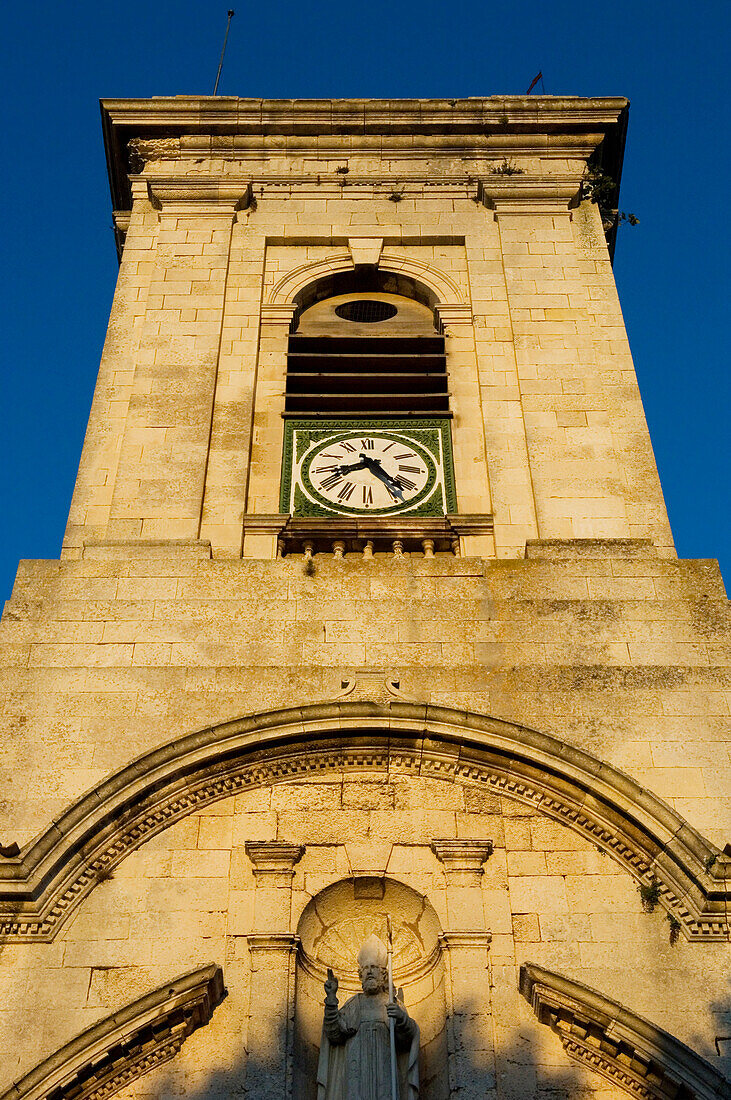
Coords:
331,929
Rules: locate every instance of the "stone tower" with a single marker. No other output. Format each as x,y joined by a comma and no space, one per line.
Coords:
368,606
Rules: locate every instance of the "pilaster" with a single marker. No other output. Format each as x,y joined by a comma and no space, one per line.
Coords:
266,450
90,505
158,490
574,469
465,946
273,951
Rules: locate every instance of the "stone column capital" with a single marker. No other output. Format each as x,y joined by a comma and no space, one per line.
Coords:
273,857
462,857
454,313
276,313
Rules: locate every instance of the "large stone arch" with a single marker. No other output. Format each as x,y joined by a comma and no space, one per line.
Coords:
41,886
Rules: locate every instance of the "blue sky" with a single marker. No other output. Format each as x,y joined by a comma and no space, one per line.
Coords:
57,255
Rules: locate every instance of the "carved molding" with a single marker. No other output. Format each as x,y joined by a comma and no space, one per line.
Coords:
200,195
524,194
43,885
273,857
284,942
626,1049
454,313
290,285
124,1046
278,314
470,941
463,856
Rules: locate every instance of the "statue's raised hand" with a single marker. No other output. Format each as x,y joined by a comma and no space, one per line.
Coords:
331,988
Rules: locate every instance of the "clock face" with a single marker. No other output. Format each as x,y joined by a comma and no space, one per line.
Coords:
367,468
368,472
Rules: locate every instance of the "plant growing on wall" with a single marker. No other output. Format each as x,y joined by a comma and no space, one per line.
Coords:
650,895
600,188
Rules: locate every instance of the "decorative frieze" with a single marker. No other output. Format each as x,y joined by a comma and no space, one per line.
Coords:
42,886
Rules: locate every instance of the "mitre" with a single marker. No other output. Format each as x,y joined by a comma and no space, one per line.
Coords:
373,953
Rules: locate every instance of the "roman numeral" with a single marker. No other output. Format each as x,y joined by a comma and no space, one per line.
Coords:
388,448
410,469
406,454
347,491
335,466
367,444
347,446
404,483
331,481
367,494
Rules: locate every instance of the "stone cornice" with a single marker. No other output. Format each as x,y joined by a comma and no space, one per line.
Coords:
468,941
629,1051
53,874
271,941
553,126
231,115
122,1047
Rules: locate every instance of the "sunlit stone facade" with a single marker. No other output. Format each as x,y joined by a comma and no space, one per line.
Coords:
235,738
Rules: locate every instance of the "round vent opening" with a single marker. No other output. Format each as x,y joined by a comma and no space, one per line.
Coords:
366,312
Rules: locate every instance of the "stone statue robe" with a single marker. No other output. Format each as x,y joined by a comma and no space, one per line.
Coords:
355,1055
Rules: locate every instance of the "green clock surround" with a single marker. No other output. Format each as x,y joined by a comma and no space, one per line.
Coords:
314,453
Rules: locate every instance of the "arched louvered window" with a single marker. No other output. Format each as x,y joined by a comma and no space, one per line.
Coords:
366,352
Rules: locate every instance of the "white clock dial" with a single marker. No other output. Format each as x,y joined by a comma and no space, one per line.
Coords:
367,472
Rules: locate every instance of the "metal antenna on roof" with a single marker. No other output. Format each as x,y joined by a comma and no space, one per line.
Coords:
223,51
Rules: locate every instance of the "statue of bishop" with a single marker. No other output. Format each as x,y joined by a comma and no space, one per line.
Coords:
355,1055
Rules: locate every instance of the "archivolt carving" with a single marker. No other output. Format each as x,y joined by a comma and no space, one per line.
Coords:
44,884
629,1051
441,285
126,1045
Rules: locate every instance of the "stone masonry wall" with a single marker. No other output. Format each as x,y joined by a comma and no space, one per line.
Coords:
185,432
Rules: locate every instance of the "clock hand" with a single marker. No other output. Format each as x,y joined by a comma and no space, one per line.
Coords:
375,468
343,470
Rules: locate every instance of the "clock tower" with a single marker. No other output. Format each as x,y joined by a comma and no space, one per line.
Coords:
368,627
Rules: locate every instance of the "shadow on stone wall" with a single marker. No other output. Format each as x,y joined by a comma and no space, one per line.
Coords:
718,1050
517,1073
